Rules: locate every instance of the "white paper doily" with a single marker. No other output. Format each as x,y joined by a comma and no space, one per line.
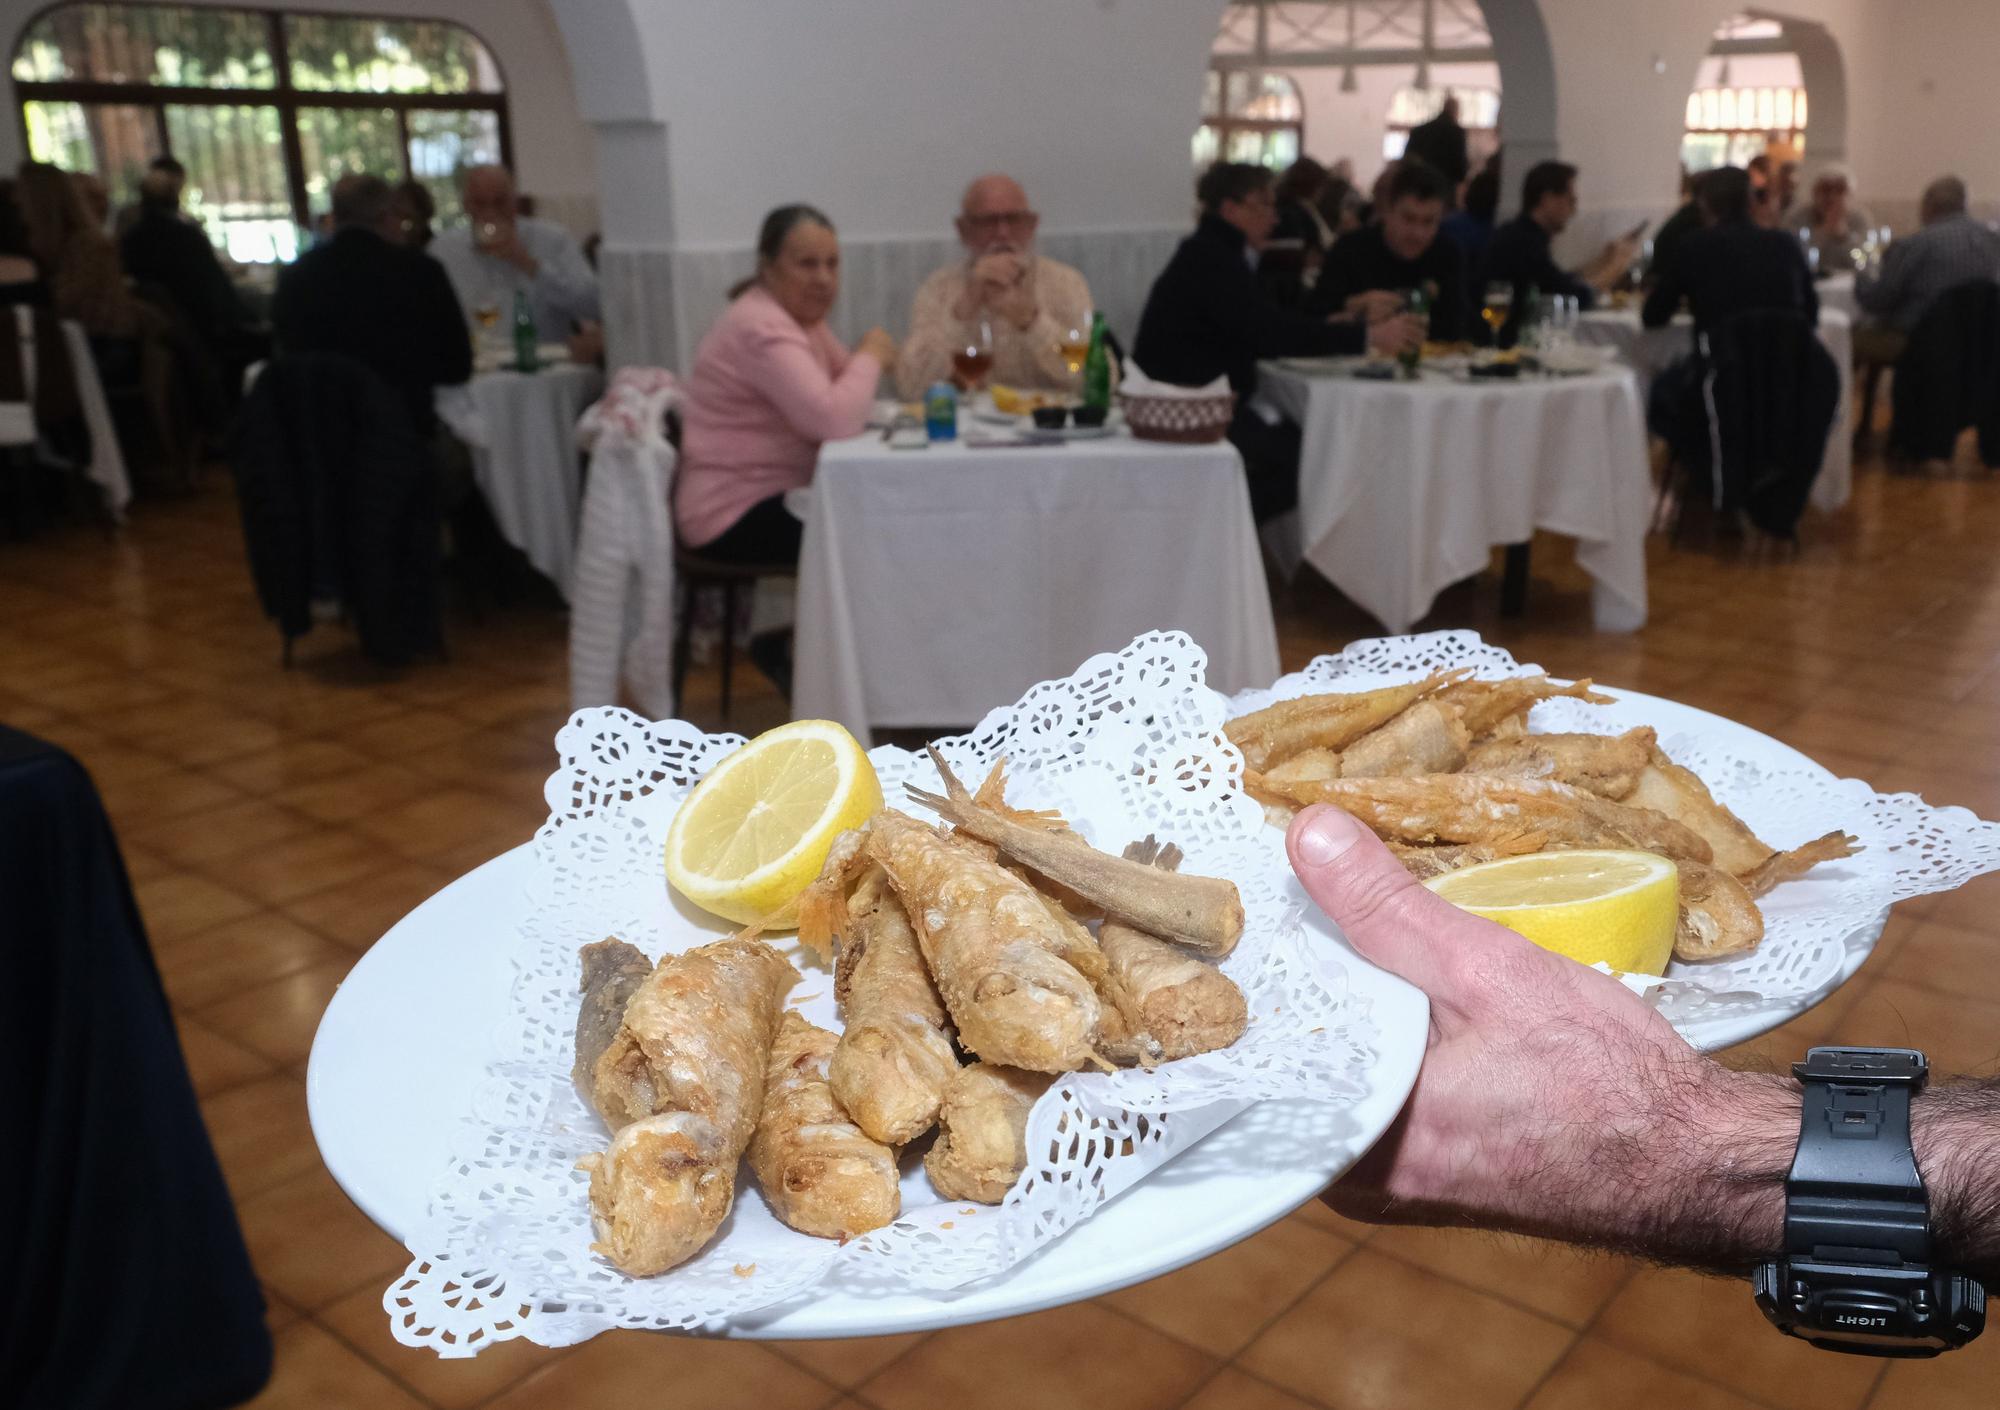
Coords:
1131,744
1812,926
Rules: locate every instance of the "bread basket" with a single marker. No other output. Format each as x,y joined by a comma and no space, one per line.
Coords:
1186,420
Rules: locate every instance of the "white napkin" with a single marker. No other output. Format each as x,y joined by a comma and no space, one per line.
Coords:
1138,384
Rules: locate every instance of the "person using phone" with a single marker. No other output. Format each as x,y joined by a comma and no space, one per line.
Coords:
1521,253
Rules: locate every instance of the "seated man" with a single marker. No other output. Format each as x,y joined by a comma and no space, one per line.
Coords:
1830,222
1952,248
363,295
170,256
499,253
1520,250
1027,301
1685,221
1207,317
1733,265
1404,250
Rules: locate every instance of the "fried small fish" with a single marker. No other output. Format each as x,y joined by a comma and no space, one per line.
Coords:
1276,733
1608,765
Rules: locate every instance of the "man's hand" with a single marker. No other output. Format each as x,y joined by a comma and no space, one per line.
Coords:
1373,306
1552,1100
1000,283
505,244
1395,336
878,345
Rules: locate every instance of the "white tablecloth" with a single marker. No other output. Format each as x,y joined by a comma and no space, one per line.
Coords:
1406,487
937,584
1648,350
521,427
1836,294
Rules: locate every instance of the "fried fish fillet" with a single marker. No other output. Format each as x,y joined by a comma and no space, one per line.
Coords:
820,1172
1202,912
1608,765
1272,735
1505,816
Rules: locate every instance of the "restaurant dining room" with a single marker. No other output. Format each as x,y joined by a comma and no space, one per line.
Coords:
1122,704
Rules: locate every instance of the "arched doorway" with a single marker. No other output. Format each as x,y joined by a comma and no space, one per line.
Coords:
1770,86
1366,71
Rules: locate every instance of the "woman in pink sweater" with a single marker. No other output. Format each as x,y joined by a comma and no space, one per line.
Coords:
770,383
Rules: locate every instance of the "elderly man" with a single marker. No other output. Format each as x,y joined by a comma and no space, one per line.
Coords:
1028,302
499,253
1403,250
1951,249
1829,221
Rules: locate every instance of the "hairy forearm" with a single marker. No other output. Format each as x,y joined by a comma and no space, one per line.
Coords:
1718,1201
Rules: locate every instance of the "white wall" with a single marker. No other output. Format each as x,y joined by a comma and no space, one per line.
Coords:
881,113
1933,106
554,153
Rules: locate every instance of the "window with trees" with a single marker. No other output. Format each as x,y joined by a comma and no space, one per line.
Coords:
1250,117
265,109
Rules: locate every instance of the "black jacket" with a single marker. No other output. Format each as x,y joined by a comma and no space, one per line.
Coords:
1440,145
173,255
1519,254
1361,260
390,309
339,496
1729,269
1207,317
1773,389
1948,377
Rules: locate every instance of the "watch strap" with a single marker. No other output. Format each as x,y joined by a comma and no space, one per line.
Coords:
1854,1194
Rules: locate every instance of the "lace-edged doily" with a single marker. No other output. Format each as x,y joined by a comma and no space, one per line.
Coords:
1130,744
1816,928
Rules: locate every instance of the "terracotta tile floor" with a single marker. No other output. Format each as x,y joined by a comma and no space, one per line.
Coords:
276,822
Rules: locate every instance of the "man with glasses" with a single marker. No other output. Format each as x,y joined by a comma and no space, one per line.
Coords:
1028,305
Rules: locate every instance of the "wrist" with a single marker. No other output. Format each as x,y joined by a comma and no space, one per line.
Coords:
1955,1130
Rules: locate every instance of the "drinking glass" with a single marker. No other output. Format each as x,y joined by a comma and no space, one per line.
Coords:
1499,304
971,363
1074,346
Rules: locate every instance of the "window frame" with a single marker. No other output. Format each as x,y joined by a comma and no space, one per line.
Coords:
282,95
1225,124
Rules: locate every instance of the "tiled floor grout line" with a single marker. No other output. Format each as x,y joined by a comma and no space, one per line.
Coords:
398,1381
1582,1334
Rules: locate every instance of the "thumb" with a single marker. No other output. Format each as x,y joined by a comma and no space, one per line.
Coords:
1385,914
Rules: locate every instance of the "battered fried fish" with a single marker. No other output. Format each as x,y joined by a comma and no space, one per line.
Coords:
821,1174
1427,738
1204,913
1489,707
1174,1004
1608,765
1276,733
981,1147
612,973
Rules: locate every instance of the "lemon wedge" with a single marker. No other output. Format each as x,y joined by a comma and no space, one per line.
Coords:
755,833
1615,908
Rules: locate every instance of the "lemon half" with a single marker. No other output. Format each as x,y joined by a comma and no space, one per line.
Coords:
755,832
1615,908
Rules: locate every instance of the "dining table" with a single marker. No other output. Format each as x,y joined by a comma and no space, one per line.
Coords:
521,430
1406,485
940,582
1648,351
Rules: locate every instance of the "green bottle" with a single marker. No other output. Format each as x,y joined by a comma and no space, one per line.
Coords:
1420,305
524,333
1528,332
1097,367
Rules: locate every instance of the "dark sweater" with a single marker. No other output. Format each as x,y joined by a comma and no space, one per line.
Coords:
1519,255
1730,269
1207,317
390,309
1361,260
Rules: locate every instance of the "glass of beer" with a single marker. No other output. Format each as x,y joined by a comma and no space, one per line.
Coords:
971,363
1074,348
1499,304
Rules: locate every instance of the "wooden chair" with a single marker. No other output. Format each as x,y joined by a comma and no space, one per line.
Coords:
698,577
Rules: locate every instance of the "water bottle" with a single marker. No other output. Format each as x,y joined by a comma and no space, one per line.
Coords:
941,412
524,333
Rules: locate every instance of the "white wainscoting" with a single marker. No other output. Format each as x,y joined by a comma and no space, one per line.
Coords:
658,303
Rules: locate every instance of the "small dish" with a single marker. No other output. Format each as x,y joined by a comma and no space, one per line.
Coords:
1053,418
1089,416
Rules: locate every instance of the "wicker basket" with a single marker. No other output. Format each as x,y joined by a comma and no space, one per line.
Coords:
1187,420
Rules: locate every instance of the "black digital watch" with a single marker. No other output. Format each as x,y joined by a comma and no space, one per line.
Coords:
1856,1272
